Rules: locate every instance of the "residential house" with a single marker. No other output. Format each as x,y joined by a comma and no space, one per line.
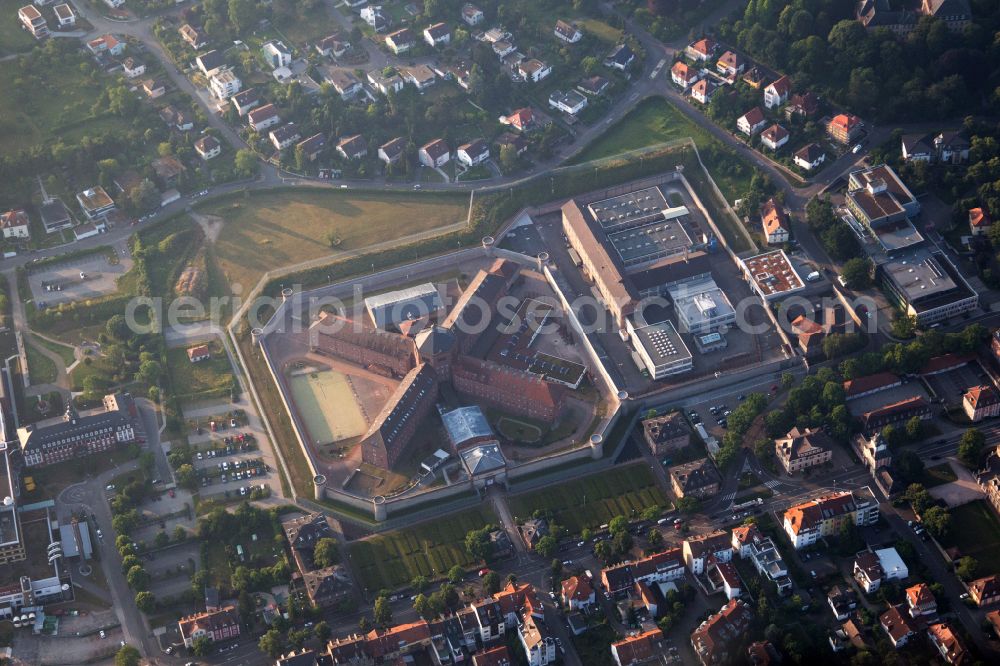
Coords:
802,449
570,102
703,90
920,600
666,434
643,648
437,35
198,353
497,656
312,147
979,221
952,147
698,550
809,157
195,38
211,63
332,46
245,100
208,147
421,76
683,74
15,224
522,120
805,105
401,41
824,516
373,16
916,148
516,141
284,136
811,333
774,137
868,571
539,645
698,479
225,84
577,593
776,93
754,77
276,54
898,626
218,625
775,223
182,121
65,16
533,529
844,128
458,72
620,58
593,85
723,575
981,402
842,601
567,32
472,15
660,567
947,641
752,121
384,83
533,70
132,67
326,587
153,88
434,154
344,82
701,50
34,22
95,203
714,639
503,48
731,64
985,591
55,215
106,44
261,118
391,151
353,147
473,153
168,169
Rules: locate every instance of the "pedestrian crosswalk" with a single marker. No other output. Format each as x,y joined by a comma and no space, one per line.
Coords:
773,484
728,497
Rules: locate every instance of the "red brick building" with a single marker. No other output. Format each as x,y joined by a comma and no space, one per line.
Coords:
217,625
343,338
508,389
395,425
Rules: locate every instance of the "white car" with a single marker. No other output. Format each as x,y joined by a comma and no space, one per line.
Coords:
102,634
100,534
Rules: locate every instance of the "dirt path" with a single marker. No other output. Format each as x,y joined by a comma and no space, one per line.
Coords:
210,224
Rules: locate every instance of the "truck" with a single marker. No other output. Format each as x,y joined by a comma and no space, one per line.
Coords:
575,256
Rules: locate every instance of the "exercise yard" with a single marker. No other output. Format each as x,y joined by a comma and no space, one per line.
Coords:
324,400
518,431
975,531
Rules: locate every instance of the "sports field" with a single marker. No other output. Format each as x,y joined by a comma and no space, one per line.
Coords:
271,230
594,500
325,402
428,549
975,531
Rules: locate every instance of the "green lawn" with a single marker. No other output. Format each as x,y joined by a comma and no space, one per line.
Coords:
13,38
210,378
938,475
303,32
594,500
275,229
975,531
67,353
430,549
40,367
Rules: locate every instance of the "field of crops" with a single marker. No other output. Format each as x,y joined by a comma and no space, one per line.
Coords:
594,500
430,549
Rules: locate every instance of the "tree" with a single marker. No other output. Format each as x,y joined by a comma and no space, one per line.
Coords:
127,656
937,520
604,551
910,467
918,497
491,583
271,643
967,568
970,447
187,477
477,542
903,327
649,513
145,602
688,504
383,612
144,197
130,561
547,546
298,637
138,578
655,538
245,163
326,553
322,631
243,14
422,607
456,574
618,524
914,429
201,646
161,539
857,272
419,583
508,157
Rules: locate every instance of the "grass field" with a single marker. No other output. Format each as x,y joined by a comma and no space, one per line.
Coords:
67,353
938,475
276,229
518,430
13,38
430,549
975,531
325,402
40,367
209,378
594,500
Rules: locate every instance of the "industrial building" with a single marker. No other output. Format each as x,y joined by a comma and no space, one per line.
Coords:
926,285
413,303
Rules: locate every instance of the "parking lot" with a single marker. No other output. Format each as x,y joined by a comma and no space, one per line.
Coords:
78,279
951,386
171,569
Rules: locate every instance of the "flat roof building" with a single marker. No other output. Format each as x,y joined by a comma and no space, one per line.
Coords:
661,349
394,307
876,196
926,285
467,426
701,306
771,275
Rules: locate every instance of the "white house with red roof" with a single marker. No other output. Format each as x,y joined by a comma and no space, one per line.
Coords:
774,137
777,93
752,121
683,74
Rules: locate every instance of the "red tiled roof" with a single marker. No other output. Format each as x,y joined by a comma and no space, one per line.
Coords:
775,133
895,623
577,588
782,86
754,116
808,514
637,649
704,46
944,637
982,396
919,594
773,216
979,218
381,642
497,656
844,121
860,385
945,362
682,70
